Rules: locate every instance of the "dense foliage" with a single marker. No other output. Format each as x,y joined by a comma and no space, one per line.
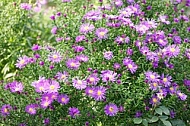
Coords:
114,63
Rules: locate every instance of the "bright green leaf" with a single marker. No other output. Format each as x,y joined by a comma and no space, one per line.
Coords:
154,119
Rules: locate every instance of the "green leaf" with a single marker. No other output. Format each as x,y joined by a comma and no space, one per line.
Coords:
9,75
137,120
159,111
154,119
145,122
163,117
165,110
177,122
167,123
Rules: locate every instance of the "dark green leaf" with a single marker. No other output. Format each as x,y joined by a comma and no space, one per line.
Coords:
159,111
137,120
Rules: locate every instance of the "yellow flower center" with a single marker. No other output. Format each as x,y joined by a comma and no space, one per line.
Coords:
86,28
154,100
63,99
152,76
154,84
171,88
41,88
52,87
130,66
91,79
73,64
79,82
46,104
165,79
180,94
161,41
111,109
99,93
22,62
172,49
63,76
55,56
31,109
5,110
121,39
90,91
102,33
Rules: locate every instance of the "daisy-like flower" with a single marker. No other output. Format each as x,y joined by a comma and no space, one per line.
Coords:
55,57
154,100
63,76
49,96
163,19
187,53
66,1
99,93
63,99
53,86
5,110
131,66
31,109
41,85
166,80
22,62
153,86
82,58
36,47
111,109
172,90
73,112
177,40
116,66
54,30
25,6
152,76
151,23
80,38
108,76
89,91
101,33
79,84
142,28
86,28
172,50
93,79
108,55
78,49
45,103
181,96
73,64
93,15
16,86
122,39
118,3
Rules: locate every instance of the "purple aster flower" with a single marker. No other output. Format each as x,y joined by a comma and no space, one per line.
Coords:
80,38
31,109
101,33
99,93
46,121
177,40
73,112
41,85
73,64
89,91
144,50
186,82
93,79
138,114
187,53
45,103
130,1
36,47
116,66
111,109
78,49
66,1
82,58
63,76
153,86
172,114
151,23
172,50
129,51
55,57
152,76
172,90
59,39
152,56
79,84
49,96
131,66
63,99
5,110
108,75
162,42
181,96
118,3
54,30
122,39
16,86
163,19
86,28
22,62
25,6
142,28
108,55
22,124
166,80
154,100
93,15
53,86
162,93
52,17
